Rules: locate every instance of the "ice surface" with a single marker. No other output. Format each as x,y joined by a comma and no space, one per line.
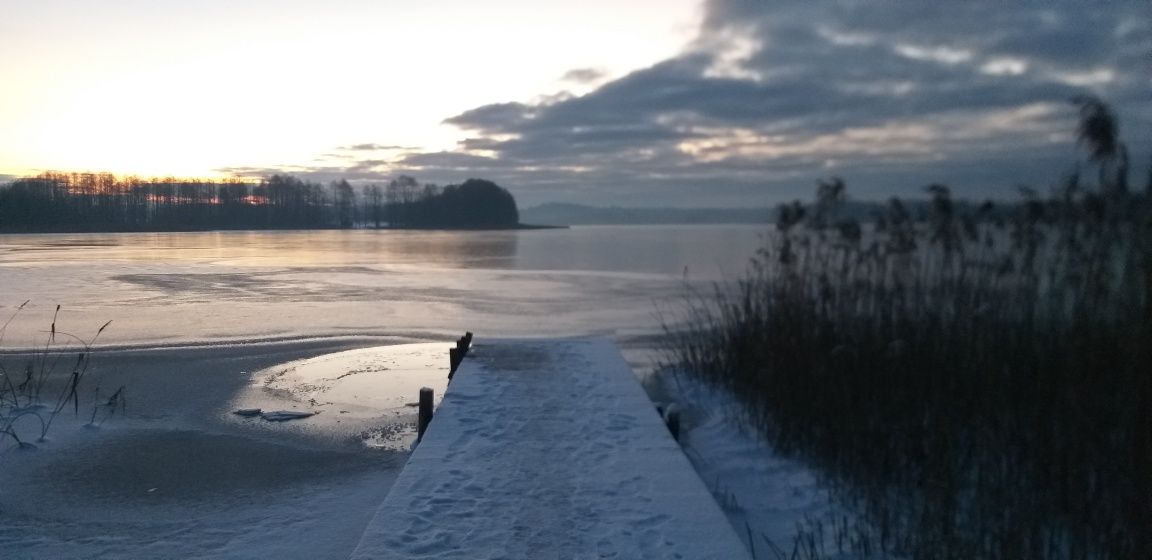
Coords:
187,288
369,390
285,415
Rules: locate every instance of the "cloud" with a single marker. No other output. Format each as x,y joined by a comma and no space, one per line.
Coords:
773,95
451,161
373,147
584,75
491,118
317,173
258,172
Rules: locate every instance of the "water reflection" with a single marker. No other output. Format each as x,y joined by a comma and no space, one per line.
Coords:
703,250
367,391
263,285
272,248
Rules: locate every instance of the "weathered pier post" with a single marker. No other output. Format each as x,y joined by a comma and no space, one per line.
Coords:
426,397
456,355
672,420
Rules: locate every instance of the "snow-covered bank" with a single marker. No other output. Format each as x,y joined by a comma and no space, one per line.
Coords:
187,494
548,449
770,500
179,476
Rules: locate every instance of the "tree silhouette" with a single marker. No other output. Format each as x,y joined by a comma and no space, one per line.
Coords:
477,203
345,203
102,202
1099,132
374,201
830,195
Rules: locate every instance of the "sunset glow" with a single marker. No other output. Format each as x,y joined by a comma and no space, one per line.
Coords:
170,88
596,102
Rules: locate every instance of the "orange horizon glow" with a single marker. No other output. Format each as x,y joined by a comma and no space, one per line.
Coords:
169,88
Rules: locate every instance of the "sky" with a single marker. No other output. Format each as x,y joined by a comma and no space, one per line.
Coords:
716,103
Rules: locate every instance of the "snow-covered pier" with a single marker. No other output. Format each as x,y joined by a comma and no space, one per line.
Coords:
548,449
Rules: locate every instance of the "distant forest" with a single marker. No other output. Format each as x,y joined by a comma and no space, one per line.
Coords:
71,202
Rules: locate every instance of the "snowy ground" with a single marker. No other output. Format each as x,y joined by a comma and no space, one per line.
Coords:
775,504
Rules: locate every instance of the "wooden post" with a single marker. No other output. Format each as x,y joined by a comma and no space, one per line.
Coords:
454,357
426,396
672,419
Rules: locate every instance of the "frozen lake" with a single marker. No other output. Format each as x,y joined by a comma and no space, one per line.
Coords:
179,475
211,287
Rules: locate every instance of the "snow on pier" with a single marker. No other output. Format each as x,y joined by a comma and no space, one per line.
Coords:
548,449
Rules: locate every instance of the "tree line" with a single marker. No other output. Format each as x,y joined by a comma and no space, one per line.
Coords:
71,202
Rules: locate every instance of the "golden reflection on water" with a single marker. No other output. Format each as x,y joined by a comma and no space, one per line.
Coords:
273,248
705,251
265,285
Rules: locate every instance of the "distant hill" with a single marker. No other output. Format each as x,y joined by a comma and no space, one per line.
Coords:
561,214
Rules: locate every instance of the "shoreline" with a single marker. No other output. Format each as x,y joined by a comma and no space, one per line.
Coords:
517,227
287,342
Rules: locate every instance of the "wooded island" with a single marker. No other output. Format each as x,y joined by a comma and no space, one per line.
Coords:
77,202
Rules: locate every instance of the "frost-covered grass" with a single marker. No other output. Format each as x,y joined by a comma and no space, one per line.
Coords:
32,392
976,386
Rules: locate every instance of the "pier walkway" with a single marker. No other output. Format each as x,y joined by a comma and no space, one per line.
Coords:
548,449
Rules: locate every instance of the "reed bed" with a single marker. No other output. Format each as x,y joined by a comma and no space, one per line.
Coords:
975,385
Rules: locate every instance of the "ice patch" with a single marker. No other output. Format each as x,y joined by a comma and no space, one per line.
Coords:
285,415
369,391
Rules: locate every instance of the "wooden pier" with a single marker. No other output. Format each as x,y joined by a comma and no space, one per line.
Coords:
548,449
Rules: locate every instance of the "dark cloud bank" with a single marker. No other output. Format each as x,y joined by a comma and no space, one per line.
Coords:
774,95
